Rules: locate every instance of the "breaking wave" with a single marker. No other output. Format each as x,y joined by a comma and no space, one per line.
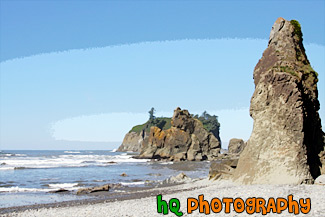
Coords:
68,159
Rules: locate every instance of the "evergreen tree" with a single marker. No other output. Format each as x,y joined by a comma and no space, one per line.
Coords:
151,114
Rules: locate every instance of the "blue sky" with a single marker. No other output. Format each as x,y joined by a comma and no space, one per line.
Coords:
84,72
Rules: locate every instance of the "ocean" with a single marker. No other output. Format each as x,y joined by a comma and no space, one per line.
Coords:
27,177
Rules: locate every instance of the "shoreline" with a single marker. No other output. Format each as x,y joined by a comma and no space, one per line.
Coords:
98,197
31,187
143,202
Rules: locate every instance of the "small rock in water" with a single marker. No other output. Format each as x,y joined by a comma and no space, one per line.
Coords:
124,174
182,177
59,190
154,174
94,189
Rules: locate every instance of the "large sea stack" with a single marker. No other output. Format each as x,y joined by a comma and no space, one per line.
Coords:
185,140
287,142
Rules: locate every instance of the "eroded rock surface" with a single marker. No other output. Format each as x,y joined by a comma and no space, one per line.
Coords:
222,169
132,142
236,146
185,140
287,142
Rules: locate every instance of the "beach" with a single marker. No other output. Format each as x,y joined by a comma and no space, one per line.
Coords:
136,195
146,205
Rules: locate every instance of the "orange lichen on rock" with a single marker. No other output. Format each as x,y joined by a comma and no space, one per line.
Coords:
185,140
279,20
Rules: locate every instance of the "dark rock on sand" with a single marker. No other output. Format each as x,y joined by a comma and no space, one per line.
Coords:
59,190
185,140
287,142
93,189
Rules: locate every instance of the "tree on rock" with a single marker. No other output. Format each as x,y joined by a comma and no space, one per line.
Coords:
151,114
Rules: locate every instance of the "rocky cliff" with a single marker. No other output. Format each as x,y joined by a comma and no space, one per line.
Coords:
133,141
287,141
185,140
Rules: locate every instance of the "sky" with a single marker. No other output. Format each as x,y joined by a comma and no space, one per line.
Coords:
80,74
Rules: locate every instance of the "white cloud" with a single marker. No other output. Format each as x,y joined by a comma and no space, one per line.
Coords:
109,127
112,127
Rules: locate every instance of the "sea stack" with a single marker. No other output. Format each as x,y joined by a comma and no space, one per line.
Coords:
185,140
287,142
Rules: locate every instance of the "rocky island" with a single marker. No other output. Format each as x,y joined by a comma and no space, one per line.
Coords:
187,139
182,137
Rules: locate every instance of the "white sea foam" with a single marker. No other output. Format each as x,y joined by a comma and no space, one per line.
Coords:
167,163
7,155
98,180
11,155
52,187
132,183
7,168
18,189
72,152
63,185
65,160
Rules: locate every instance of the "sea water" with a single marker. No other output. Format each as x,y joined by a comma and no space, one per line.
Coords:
27,177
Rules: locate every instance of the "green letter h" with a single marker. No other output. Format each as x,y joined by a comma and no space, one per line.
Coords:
162,206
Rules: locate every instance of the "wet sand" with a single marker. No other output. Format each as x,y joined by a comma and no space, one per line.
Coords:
125,193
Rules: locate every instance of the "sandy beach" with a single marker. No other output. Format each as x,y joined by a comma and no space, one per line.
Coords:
147,204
